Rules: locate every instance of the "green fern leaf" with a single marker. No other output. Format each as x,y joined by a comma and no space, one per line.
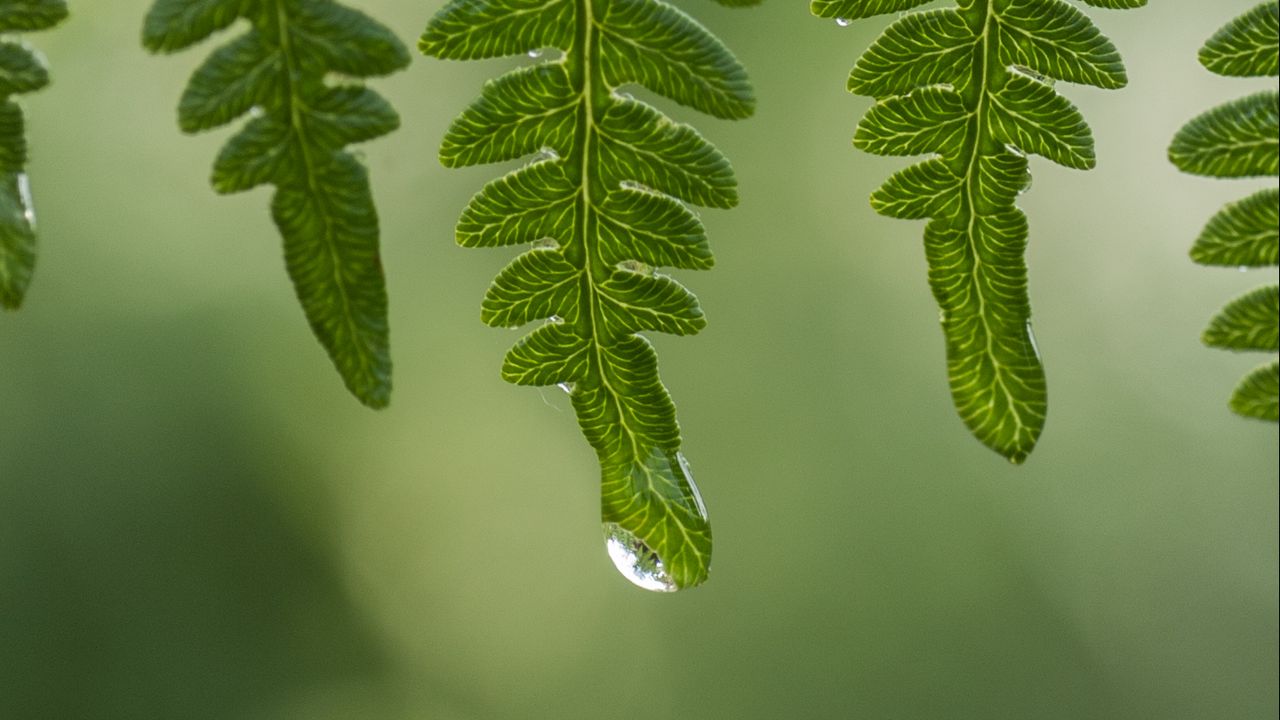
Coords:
1258,394
1250,322
603,206
1248,46
1243,234
1239,139
971,86
22,70
296,140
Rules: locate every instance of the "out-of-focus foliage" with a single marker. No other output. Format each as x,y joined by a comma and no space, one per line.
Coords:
22,70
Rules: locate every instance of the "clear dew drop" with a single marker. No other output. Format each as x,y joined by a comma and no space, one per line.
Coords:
24,197
844,22
545,243
535,54
545,153
635,560
567,387
1026,183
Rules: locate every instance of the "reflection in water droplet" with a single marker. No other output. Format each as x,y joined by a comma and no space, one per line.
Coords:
844,22
693,487
24,197
635,560
1026,183
535,54
566,386
1031,335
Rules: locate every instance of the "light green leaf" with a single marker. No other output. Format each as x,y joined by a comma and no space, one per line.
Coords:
31,15
21,71
1240,138
1258,394
1248,46
972,86
603,204
296,141
1250,322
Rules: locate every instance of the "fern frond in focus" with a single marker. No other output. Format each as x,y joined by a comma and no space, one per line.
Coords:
296,137
971,87
601,207
22,70
1241,139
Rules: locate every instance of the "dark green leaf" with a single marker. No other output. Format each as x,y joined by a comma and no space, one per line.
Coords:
296,141
21,71
972,85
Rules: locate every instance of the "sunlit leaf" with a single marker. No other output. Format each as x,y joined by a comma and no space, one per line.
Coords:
603,205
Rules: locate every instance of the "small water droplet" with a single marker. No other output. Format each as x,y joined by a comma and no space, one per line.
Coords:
535,54
635,560
1242,268
545,153
24,197
635,266
545,243
256,111
567,387
1026,183
844,22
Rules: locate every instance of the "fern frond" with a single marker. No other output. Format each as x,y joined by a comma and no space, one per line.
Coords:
971,86
1241,139
295,140
22,70
603,206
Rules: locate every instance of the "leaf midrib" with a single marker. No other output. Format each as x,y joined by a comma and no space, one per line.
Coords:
981,69
588,55
298,126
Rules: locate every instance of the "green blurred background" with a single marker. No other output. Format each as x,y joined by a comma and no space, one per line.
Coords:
197,522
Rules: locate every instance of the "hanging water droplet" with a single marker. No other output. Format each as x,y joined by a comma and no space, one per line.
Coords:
844,22
635,266
567,387
545,243
545,153
635,560
1026,183
693,487
24,197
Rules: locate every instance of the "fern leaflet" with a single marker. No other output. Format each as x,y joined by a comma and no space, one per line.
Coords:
601,205
22,70
1241,139
295,140
972,85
